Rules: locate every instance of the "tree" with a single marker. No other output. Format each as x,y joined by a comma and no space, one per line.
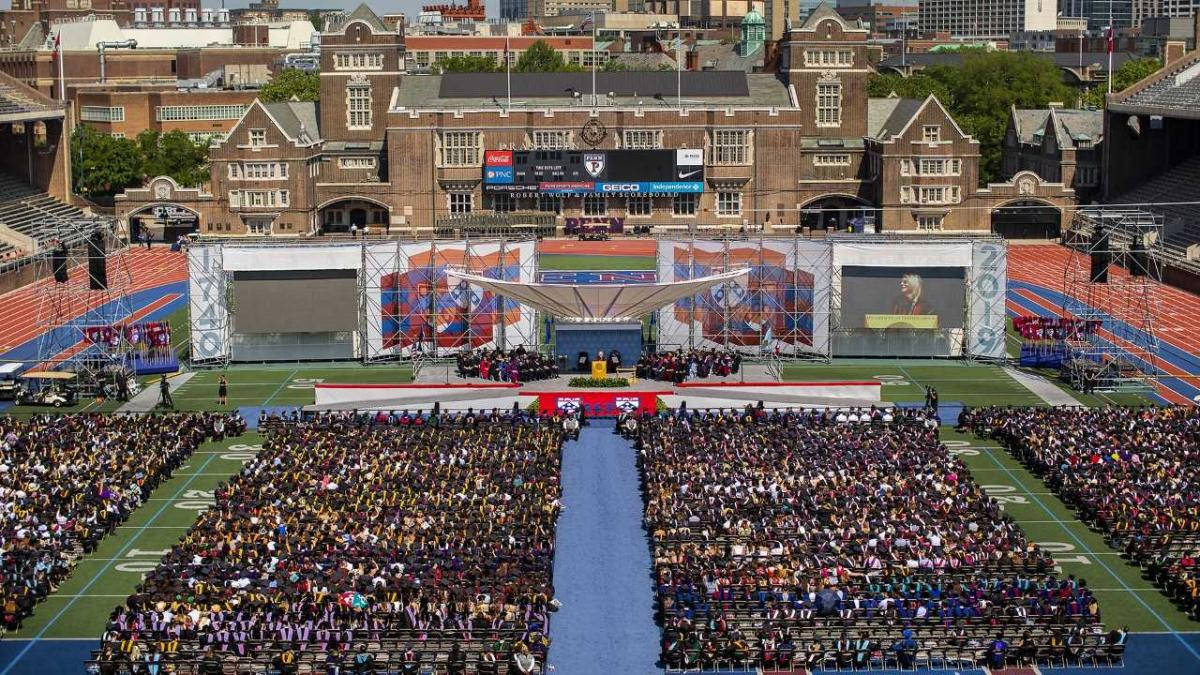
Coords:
540,57
104,165
291,82
919,85
173,154
317,20
467,64
1129,74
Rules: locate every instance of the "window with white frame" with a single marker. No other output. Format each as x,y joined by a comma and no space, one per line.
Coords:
356,162
931,133
685,204
550,203
503,203
641,139
259,170
460,148
258,225
1087,176
595,205
358,61
927,222
358,106
829,104
935,167
553,139
937,194
729,204
258,138
640,205
191,113
831,160
731,146
829,58
259,199
102,113
461,202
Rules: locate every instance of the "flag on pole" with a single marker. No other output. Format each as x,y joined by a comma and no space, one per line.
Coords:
57,47
1110,40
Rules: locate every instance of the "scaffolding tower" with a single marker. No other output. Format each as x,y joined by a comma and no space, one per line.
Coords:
1111,279
89,296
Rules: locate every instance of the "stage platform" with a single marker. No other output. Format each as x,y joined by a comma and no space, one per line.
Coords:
644,395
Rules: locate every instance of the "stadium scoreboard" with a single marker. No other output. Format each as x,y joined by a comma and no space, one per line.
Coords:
627,172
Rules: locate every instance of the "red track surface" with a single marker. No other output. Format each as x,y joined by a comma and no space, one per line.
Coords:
1177,319
142,269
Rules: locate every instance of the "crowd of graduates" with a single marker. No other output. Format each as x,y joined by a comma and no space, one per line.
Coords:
363,543
683,365
67,481
774,533
1133,473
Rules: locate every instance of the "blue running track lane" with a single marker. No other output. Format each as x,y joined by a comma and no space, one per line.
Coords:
602,572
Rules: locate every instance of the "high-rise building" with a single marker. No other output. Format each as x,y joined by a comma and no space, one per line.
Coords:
986,19
1100,14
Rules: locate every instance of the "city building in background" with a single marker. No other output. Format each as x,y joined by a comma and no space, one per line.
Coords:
987,19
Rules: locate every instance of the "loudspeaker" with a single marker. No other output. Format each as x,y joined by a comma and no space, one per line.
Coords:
1101,257
58,262
1139,259
97,263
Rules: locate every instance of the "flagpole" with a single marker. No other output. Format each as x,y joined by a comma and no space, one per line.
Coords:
1111,32
679,70
508,71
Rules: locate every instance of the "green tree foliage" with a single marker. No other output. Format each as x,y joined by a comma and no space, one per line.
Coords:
316,19
540,57
979,93
173,154
102,165
1130,73
468,64
291,82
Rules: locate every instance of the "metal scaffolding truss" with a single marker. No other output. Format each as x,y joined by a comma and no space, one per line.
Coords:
65,309
1124,301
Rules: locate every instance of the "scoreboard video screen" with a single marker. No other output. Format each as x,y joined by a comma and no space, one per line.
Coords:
649,172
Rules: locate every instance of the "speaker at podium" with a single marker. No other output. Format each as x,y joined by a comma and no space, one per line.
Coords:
599,369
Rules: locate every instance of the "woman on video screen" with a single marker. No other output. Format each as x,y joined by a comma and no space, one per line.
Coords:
909,302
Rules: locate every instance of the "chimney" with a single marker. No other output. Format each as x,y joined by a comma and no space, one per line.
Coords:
692,62
1173,51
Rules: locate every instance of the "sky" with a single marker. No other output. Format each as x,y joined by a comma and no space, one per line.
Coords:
409,7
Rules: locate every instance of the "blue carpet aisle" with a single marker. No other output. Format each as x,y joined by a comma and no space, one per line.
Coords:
602,562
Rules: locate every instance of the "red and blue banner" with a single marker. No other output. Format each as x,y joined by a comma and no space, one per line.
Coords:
591,278
605,403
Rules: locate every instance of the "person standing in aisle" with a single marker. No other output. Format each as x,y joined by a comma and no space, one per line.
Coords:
223,391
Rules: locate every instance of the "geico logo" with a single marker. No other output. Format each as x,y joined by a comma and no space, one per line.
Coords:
620,187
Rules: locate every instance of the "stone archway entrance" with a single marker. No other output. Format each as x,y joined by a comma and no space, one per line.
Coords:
841,212
361,213
1027,219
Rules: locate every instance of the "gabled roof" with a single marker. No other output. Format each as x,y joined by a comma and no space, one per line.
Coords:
298,120
820,13
1068,125
887,117
1027,123
366,15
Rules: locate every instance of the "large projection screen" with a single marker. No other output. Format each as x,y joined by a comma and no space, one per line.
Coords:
295,301
889,298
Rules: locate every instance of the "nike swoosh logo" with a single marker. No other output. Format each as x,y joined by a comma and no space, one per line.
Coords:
689,173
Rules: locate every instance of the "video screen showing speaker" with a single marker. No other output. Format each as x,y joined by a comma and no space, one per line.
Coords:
927,298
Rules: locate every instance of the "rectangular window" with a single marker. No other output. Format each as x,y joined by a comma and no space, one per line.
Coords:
729,203
640,205
829,105
685,204
929,222
1087,176
98,113
503,203
931,133
188,113
551,140
939,167
461,148
595,205
937,194
358,106
831,160
731,146
550,203
206,137
461,202
829,58
357,61
258,138
356,162
258,226
641,139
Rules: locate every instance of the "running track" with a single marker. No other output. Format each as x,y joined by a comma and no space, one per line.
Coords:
1036,275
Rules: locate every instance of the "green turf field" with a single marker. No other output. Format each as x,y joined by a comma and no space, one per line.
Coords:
974,384
573,261
1125,597
102,580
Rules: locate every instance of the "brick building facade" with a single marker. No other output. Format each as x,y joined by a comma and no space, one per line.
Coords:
803,147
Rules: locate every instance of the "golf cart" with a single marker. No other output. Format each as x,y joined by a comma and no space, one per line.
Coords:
47,387
8,381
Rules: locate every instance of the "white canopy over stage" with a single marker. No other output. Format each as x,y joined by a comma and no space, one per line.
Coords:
602,302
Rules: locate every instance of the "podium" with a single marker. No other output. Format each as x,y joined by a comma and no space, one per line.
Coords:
599,370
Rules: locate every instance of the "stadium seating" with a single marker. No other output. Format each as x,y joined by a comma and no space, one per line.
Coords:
422,543
36,214
787,541
67,481
1180,184
1132,473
